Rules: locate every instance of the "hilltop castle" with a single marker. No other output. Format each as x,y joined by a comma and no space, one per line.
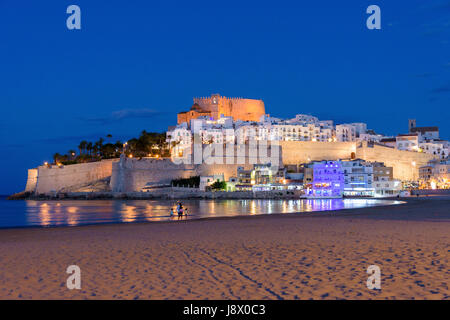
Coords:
217,106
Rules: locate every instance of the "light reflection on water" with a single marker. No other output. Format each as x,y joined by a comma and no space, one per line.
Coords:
78,212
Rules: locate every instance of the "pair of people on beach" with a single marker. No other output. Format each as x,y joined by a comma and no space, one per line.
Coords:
180,210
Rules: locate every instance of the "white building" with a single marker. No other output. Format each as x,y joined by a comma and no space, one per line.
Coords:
360,128
300,128
435,175
358,178
371,137
267,119
426,133
387,188
303,118
219,136
389,142
345,133
439,148
283,132
179,137
206,181
408,142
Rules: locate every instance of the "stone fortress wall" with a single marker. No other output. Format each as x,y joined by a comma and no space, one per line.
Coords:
31,180
406,164
45,179
298,152
129,175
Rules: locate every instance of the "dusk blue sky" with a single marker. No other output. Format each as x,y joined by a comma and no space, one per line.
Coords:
135,64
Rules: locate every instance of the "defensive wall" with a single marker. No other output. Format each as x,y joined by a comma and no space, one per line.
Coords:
405,164
298,152
131,174
46,179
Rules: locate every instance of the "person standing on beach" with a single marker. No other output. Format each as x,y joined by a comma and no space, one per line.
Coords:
180,211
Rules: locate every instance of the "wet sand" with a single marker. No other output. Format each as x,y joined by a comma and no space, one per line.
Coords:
290,256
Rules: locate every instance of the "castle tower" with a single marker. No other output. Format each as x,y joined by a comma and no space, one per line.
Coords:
217,106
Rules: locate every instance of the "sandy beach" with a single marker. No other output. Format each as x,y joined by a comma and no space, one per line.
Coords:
290,256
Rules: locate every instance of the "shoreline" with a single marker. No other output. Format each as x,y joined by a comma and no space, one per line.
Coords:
163,195
195,194
244,195
304,214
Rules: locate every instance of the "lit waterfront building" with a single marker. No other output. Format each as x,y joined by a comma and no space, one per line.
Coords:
435,175
327,180
358,178
263,177
383,182
207,181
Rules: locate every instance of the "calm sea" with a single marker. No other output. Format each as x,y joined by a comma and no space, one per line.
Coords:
28,213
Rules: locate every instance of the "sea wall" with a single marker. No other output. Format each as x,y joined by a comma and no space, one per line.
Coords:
52,179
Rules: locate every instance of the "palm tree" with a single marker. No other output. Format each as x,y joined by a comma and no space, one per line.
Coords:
96,148
89,148
82,146
56,157
162,145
